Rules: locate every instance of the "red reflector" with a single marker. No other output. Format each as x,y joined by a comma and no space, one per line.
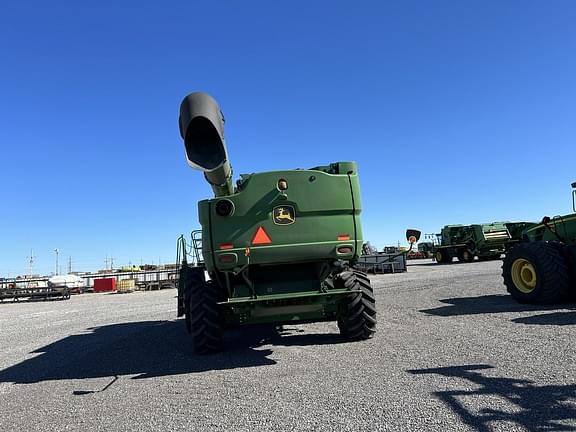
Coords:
226,246
344,250
261,237
228,258
343,237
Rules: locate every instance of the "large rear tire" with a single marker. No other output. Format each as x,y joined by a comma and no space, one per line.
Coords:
464,255
536,273
443,256
357,317
205,318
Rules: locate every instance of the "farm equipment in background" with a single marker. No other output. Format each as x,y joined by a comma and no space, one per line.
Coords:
465,242
426,248
541,269
277,247
392,259
16,292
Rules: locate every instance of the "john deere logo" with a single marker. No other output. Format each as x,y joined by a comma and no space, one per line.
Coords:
283,215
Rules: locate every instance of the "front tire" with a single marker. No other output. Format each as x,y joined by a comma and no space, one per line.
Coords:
536,273
357,317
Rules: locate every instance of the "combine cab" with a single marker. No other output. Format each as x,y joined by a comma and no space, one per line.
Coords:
541,268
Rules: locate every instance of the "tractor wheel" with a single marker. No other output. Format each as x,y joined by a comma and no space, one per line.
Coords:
467,256
205,318
443,257
464,255
357,317
536,272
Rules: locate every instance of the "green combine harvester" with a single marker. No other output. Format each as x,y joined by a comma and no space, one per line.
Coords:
541,269
277,247
466,242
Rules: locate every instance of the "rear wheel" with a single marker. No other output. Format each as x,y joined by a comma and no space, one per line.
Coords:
357,317
465,255
442,256
205,318
536,272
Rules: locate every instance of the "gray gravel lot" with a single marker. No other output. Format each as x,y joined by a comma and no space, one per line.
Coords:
452,352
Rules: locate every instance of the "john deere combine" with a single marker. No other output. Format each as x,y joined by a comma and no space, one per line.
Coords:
542,267
485,241
276,247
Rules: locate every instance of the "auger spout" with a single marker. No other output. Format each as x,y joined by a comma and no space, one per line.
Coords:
202,128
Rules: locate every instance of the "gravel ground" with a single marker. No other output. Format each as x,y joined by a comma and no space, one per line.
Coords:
452,352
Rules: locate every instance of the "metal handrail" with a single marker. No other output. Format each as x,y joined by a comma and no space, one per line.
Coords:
196,245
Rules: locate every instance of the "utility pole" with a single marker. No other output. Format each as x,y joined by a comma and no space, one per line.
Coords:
111,263
31,262
69,264
56,250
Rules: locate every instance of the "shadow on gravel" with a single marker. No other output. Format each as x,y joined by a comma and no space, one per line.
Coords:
556,318
536,408
151,349
484,305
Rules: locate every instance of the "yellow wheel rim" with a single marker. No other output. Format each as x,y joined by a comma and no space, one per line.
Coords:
438,256
524,275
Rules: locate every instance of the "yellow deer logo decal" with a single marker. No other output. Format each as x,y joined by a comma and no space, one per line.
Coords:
284,215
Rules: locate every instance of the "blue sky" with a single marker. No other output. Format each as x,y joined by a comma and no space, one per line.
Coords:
456,112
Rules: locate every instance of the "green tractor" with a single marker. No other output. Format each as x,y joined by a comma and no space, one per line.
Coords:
276,247
486,241
541,268
427,249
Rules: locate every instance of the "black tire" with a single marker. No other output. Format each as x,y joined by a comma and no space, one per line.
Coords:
465,255
536,273
205,318
443,257
357,315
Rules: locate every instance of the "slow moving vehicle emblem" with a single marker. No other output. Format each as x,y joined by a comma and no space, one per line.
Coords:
284,215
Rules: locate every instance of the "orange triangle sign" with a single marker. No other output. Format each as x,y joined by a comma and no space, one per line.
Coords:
261,237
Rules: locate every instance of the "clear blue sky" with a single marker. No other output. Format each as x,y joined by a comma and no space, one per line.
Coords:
457,112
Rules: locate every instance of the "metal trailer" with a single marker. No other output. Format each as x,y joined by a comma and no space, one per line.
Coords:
16,294
382,263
